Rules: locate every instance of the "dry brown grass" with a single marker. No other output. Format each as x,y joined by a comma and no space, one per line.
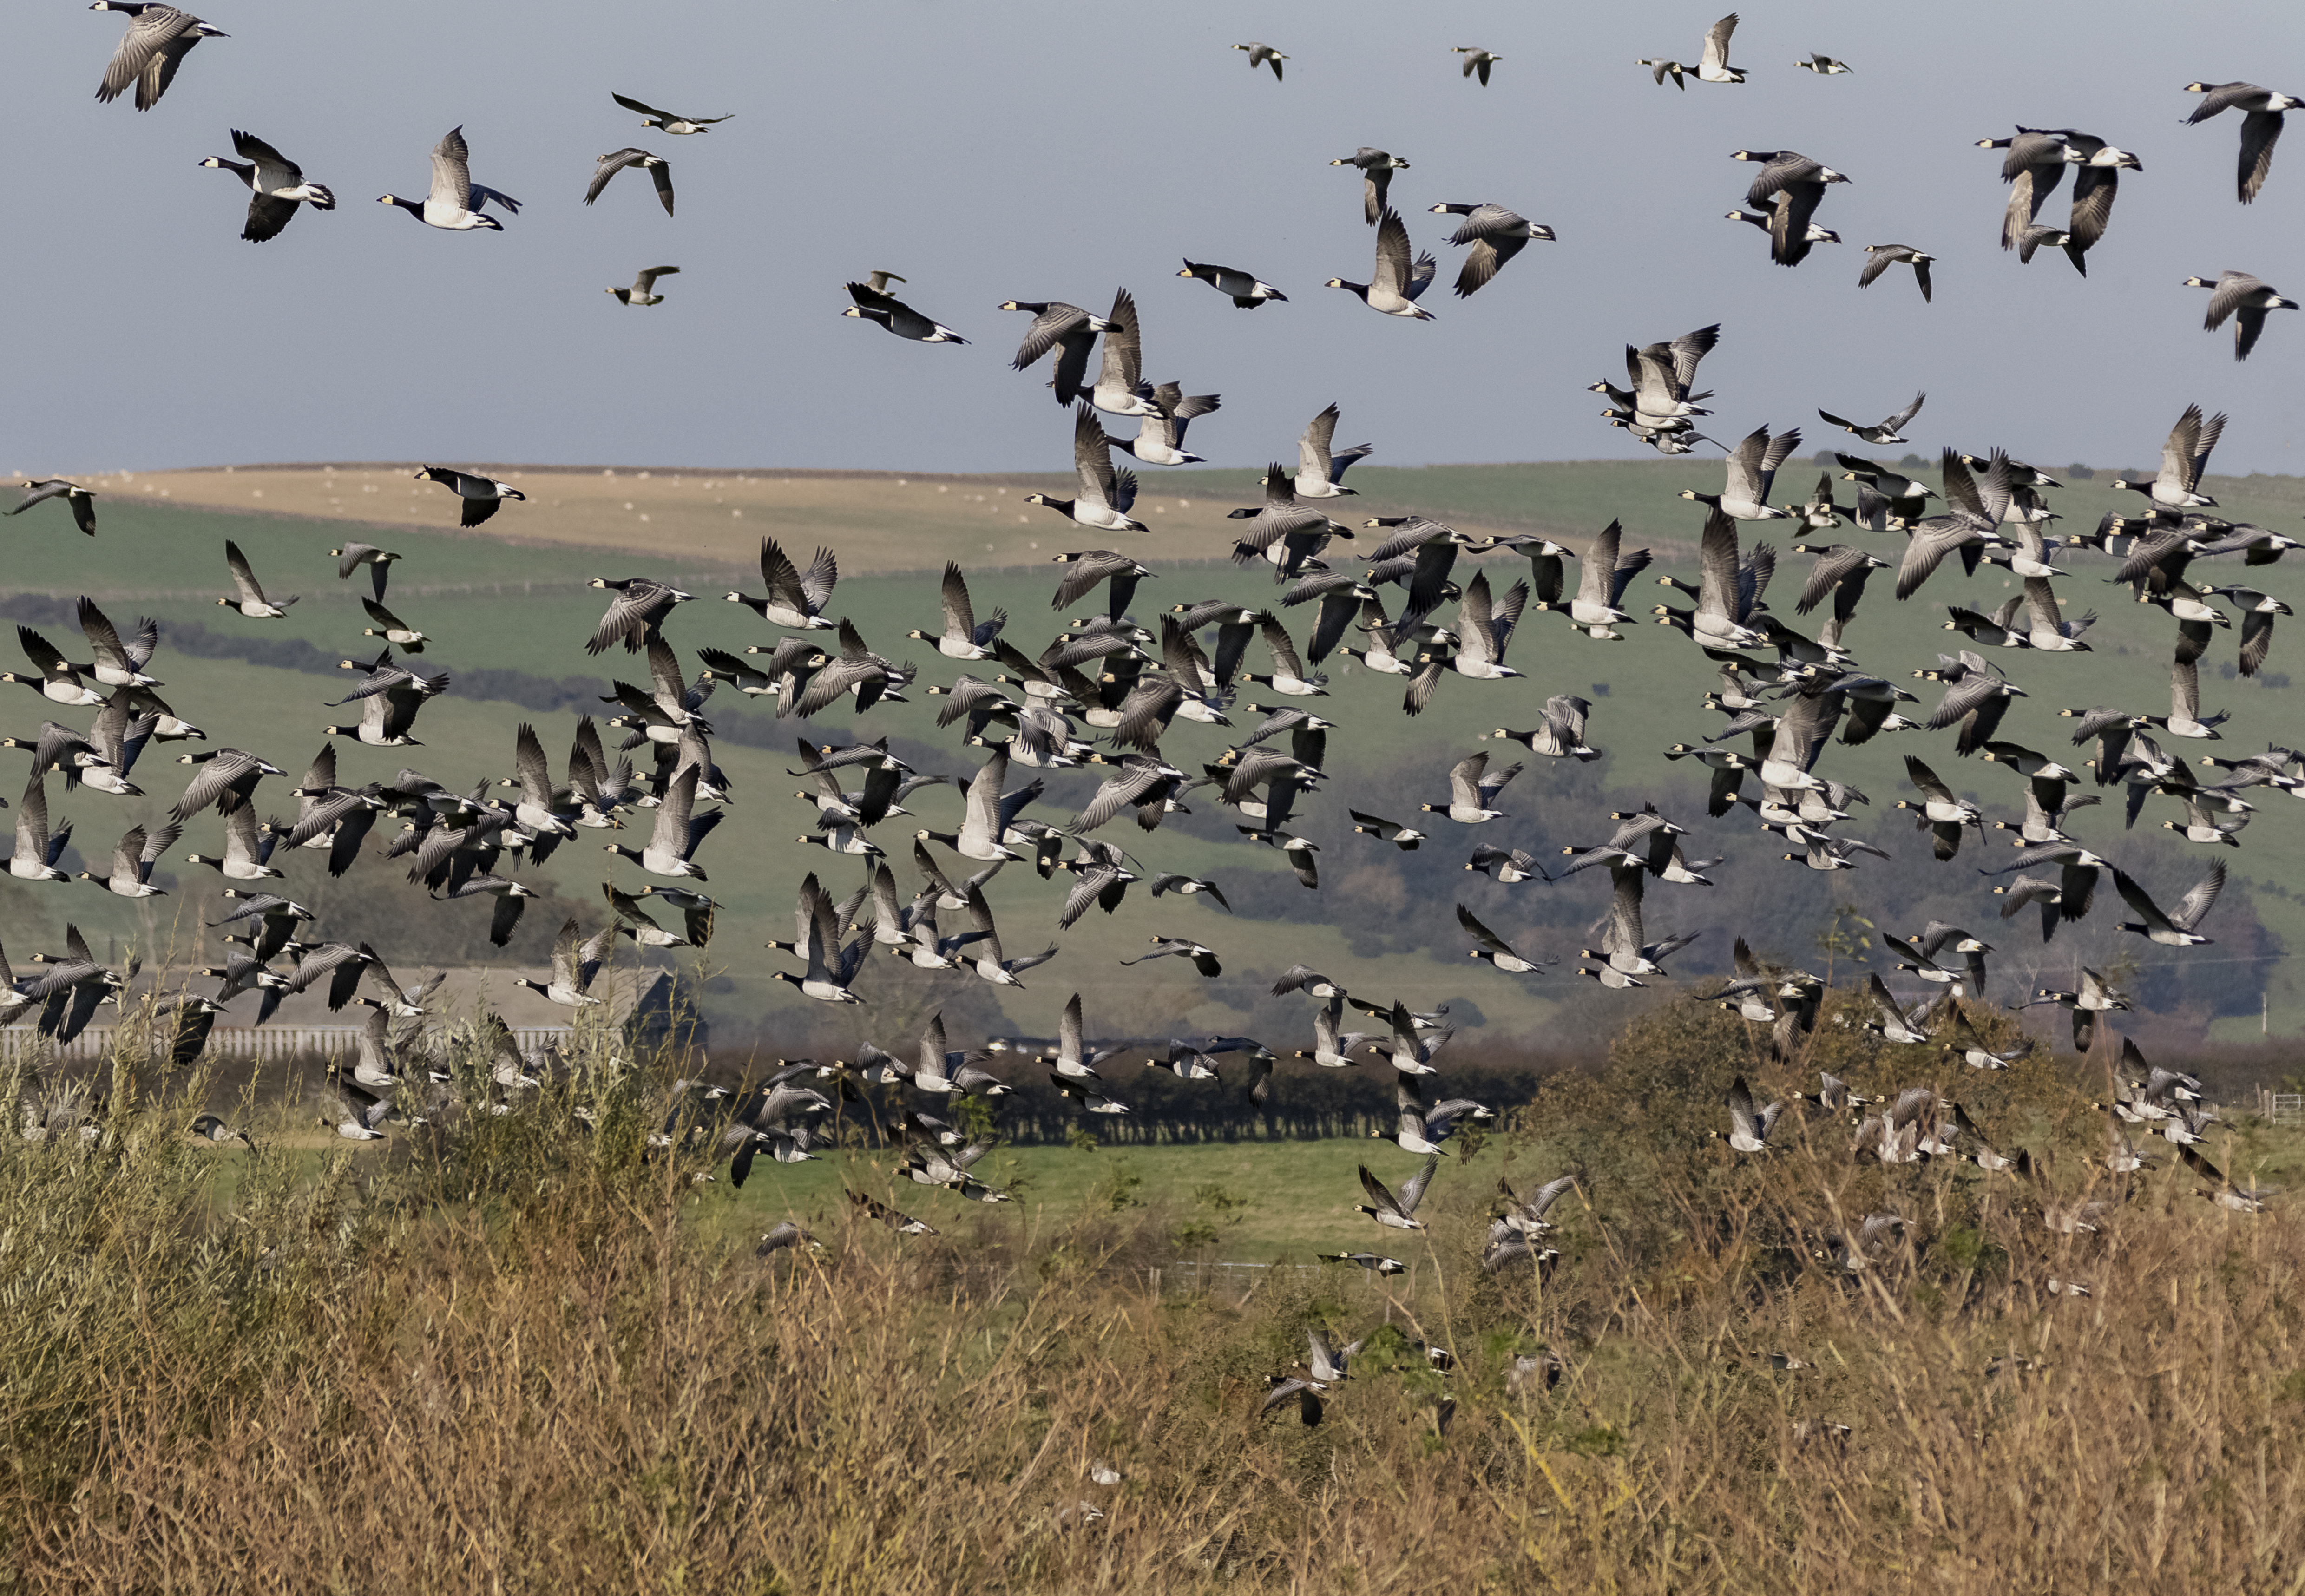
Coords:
517,1360
878,521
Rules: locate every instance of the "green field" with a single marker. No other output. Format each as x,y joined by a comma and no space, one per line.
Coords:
492,606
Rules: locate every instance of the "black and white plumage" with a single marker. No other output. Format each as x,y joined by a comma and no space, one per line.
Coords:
1880,258
1748,1125
278,186
1069,330
1495,235
1890,431
1397,281
2261,127
81,500
658,169
668,122
1495,949
2177,927
249,598
1105,496
454,202
1377,168
1711,66
1263,54
1245,289
481,495
643,289
1789,190
158,39
1398,1212
874,303
2242,296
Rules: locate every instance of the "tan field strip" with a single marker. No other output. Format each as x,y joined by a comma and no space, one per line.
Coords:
877,521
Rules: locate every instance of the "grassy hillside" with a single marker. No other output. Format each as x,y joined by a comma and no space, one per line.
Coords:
1382,921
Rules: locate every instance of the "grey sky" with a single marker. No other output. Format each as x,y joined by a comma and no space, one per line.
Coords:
987,151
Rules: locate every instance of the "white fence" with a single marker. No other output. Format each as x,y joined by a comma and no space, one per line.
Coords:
264,1043
2284,1107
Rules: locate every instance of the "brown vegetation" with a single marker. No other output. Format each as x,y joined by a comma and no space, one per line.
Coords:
508,1356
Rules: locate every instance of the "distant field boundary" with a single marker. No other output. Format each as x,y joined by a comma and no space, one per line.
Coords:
794,473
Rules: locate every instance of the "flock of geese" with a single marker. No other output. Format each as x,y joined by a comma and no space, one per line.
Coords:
1110,693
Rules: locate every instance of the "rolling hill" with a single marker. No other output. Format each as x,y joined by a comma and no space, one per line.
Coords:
507,606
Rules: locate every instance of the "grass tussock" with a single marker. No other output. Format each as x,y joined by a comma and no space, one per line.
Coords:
500,1354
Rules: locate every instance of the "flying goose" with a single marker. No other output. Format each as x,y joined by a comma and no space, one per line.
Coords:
1377,168
2237,293
1940,811
1160,437
1485,629
1974,512
1105,494
2034,166
1471,791
1767,220
1825,66
643,289
1496,234
37,850
1477,60
1791,185
1396,284
455,200
59,681
277,185
353,1123
1422,1129
480,495
2175,926
2241,1199
392,629
1749,1126
1917,955
658,169
964,637
1321,466
576,961
1245,289
1604,573
1559,733
81,500
132,860
677,835
2095,187
796,598
2258,612
1404,837
1375,1263
158,39
1263,55
1495,949
1888,431
1120,388
1752,470
250,601
667,122
2184,718
1067,329
1394,1213
1713,66
632,617
1508,867
1880,258
874,304
1332,1049
2260,126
